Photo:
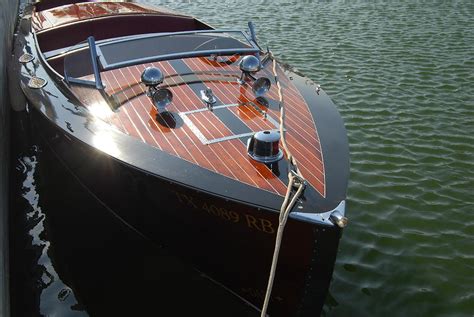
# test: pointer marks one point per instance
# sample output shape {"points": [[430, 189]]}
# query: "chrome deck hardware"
{"points": [[208, 97], [264, 147], [261, 86], [37, 82], [249, 65], [26, 58], [338, 218], [162, 98], [152, 77]]}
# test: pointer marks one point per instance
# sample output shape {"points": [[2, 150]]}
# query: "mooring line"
{"points": [[295, 180]]}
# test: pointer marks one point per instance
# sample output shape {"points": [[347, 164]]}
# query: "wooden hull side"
{"points": [[229, 241]]}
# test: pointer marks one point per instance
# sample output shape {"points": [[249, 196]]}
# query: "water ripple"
{"points": [[55, 298]]}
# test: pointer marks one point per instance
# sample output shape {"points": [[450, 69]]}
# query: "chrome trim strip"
{"points": [[231, 137], [193, 128], [151, 59], [322, 218], [201, 136], [207, 109], [93, 47]]}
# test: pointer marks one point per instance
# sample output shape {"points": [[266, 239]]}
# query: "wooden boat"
{"points": [[177, 129]]}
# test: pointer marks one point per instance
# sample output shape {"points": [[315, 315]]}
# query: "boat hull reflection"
{"points": [[104, 267]]}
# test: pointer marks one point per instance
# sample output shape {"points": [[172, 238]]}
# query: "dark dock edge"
{"points": [[8, 16]]}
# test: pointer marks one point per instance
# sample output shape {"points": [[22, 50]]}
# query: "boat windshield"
{"points": [[86, 60]]}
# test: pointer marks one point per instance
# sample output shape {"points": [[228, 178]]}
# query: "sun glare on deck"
{"points": [[106, 143], [100, 111]]}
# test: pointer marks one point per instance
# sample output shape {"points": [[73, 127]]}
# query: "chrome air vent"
{"points": [[152, 77]]}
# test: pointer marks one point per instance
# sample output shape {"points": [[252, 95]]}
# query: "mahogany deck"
{"points": [[138, 117]]}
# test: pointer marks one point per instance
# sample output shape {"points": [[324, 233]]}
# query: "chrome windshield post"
{"points": [[95, 65], [253, 34]]}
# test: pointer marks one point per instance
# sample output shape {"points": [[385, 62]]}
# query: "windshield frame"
{"points": [[252, 49], [94, 60], [99, 62]]}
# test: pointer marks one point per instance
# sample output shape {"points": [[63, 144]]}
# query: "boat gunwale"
{"points": [[108, 16], [152, 11]]}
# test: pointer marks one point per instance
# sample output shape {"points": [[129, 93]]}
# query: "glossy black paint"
{"points": [[80, 260], [195, 226]]}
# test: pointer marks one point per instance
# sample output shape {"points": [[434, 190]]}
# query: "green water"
{"points": [[402, 76]]}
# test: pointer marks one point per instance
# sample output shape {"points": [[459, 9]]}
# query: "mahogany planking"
{"points": [[136, 115]]}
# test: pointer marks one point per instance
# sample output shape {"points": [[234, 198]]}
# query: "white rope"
{"points": [[294, 181]]}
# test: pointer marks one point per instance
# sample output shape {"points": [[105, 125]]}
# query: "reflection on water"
{"points": [[31, 247]]}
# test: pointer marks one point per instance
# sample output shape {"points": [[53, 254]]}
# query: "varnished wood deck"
{"points": [[135, 115]]}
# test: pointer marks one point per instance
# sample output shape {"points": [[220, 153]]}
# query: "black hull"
{"points": [[229, 241]]}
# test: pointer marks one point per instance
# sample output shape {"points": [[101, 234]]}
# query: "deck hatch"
{"points": [[187, 118]]}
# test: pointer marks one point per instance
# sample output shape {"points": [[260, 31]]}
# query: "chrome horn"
{"points": [[152, 77], [261, 86], [249, 65], [162, 98]]}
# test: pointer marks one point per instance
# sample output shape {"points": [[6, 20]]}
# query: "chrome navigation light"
{"points": [[152, 77], [249, 65], [261, 86], [264, 146]]}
